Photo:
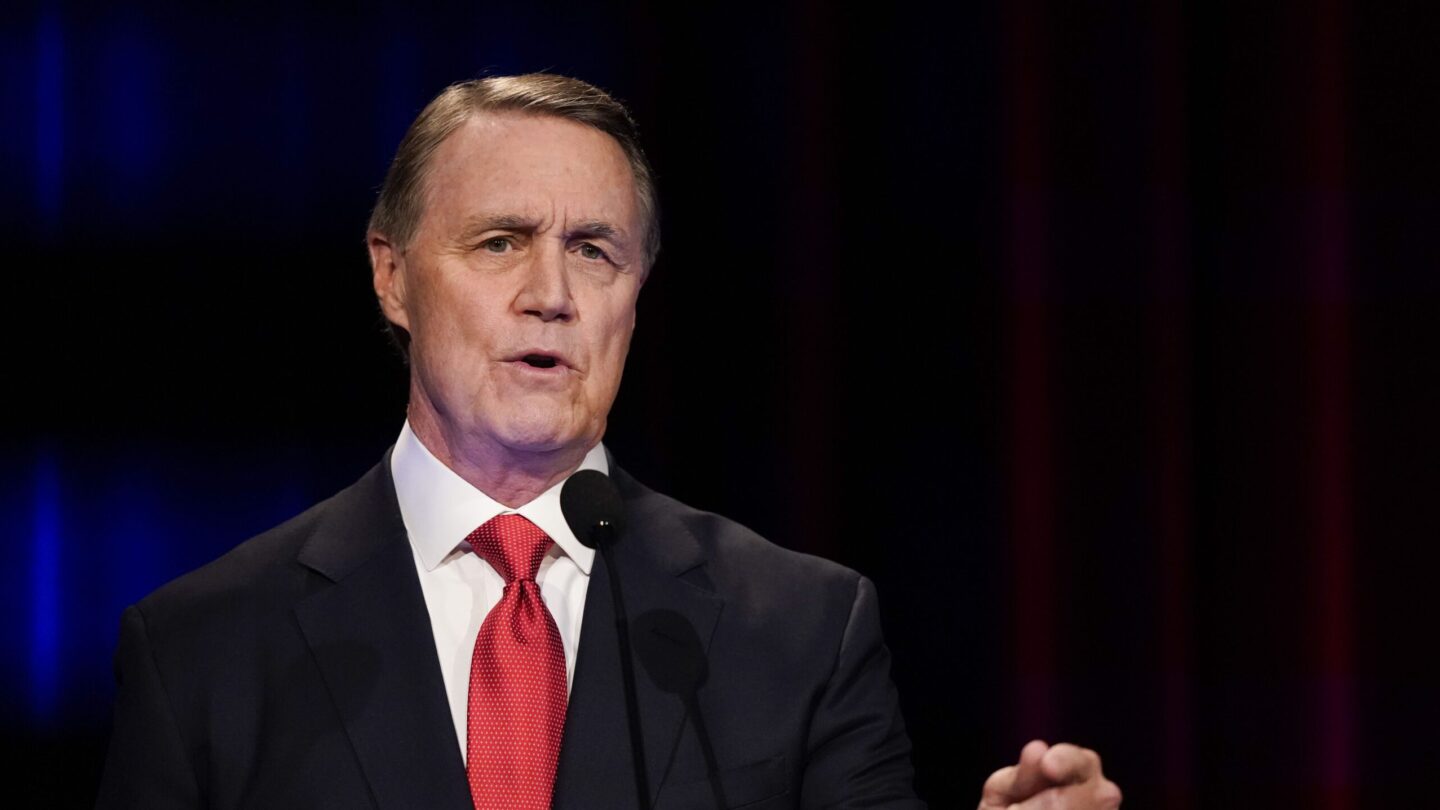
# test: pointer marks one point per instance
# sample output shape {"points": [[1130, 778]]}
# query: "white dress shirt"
{"points": [[440, 510]]}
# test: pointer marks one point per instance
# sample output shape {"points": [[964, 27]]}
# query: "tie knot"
{"points": [[512, 545]]}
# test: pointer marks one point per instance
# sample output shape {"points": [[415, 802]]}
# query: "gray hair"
{"points": [[401, 202]]}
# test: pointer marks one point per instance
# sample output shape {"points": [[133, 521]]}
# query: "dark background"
{"points": [[1100, 335]]}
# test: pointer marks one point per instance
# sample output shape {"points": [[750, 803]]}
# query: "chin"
{"points": [[534, 433]]}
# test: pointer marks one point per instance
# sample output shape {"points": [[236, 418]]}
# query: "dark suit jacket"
{"points": [[299, 671]]}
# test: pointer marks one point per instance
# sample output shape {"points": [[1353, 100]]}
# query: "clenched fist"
{"points": [[1058, 777]]}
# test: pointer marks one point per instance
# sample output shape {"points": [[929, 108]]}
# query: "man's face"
{"points": [[519, 288]]}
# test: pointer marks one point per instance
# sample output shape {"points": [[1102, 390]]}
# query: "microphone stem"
{"points": [[627, 669]]}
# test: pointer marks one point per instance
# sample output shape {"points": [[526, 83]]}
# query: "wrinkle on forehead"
{"points": [[552, 169]]}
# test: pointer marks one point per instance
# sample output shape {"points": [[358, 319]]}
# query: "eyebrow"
{"points": [[581, 229], [595, 229], [476, 225]]}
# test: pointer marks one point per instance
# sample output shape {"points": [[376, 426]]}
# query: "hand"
{"points": [[1059, 777]]}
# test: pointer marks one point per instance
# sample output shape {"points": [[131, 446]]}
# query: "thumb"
{"points": [[1016, 783], [1029, 777]]}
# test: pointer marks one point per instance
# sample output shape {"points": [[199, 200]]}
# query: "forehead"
{"points": [[533, 166]]}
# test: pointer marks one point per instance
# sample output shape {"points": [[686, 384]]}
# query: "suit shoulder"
{"points": [[738, 556], [259, 572], [731, 542]]}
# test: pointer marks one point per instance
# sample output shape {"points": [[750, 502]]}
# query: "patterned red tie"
{"points": [[516, 713]]}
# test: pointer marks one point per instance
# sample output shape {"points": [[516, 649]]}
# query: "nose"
{"points": [[545, 292]]}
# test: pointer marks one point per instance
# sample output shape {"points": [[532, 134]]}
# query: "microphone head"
{"points": [[589, 500]]}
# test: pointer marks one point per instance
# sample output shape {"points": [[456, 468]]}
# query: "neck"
{"points": [[509, 477]]}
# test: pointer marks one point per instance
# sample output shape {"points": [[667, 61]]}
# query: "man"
{"points": [[416, 640]]}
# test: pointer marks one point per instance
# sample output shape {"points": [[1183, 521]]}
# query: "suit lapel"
{"points": [[654, 554], [370, 635]]}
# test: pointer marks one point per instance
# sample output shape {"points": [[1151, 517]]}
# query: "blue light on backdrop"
{"points": [[129, 114], [49, 120], [121, 120], [45, 589], [104, 524]]}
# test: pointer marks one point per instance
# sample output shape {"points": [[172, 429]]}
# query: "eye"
{"points": [[499, 244], [589, 251]]}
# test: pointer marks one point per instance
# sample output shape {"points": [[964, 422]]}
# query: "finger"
{"points": [[1097, 794], [1001, 788], [1108, 794], [996, 792], [1029, 779], [1066, 764]]}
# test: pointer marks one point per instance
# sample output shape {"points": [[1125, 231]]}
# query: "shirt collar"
{"points": [[441, 509]]}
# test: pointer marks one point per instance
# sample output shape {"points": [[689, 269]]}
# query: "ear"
{"points": [[387, 268]]}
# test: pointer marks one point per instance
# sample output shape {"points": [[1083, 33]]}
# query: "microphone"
{"points": [[593, 508], [596, 514]]}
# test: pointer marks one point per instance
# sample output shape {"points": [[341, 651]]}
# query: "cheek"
{"points": [[454, 349], [456, 323], [618, 347]]}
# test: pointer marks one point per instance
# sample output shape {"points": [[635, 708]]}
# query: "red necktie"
{"points": [[516, 712]]}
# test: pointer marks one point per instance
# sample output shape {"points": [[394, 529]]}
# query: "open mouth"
{"points": [[538, 360]]}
